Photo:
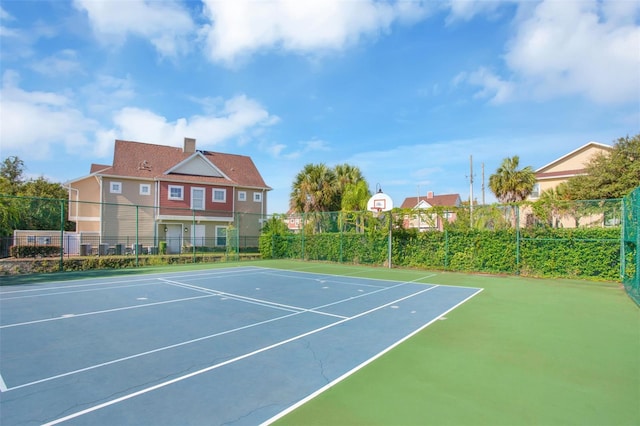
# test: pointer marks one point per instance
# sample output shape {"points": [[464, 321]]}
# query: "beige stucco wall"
{"points": [[576, 161], [129, 213]]}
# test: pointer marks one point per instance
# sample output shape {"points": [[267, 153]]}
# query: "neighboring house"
{"points": [[430, 221], [560, 170], [184, 196], [294, 221]]}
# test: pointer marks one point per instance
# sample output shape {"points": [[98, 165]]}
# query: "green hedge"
{"points": [[592, 253], [34, 251]]}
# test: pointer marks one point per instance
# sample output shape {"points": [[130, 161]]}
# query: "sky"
{"points": [[421, 96]]}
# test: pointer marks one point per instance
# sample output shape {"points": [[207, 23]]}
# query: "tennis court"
{"points": [[240, 345]]}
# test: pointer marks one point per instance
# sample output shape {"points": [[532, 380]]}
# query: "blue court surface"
{"points": [[233, 346]]}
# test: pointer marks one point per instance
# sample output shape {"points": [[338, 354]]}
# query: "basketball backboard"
{"points": [[380, 202]]}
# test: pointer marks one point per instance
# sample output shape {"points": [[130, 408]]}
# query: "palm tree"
{"points": [[510, 184], [314, 189], [354, 202]]}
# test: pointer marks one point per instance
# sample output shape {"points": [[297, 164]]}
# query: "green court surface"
{"points": [[522, 352]]}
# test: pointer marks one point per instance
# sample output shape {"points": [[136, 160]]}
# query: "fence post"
{"points": [[137, 246], [304, 223], [60, 265], [446, 249], [517, 215]]}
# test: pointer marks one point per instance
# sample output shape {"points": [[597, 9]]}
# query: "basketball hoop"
{"points": [[379, 202]]}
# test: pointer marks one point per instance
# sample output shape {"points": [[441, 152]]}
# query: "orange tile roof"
{"points": [[144, 160]]}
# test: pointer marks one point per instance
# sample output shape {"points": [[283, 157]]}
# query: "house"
{"points": [[182, 196], [569, 165], [431, 221], [294, 221], [561, 170]]}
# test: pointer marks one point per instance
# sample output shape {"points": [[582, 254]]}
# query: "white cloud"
{"points": [[465, 10], [579, 47], [167, 24], [240, 28], [33, 122], [568, 48], [494, 88], [64, 62], [237, 116]]}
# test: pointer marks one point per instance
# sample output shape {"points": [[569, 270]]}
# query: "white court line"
{"points": [[3, 385], [55, 293], [234, 296], [230, 361], [303, 272], [300, 311], [328, 279], [124, 308], [296, 308], [251, 300], [152, 351], [361, 365], [128, 279]]}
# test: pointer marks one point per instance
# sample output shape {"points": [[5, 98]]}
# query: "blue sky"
{"points": [[405, 90]]}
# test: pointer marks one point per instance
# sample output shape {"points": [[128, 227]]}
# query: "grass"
{"points": [[523, 352]]}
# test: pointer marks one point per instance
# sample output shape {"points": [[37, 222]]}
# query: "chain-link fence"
{"points": [[587, 239], [631, 244], [563, 239], [37, 227]]}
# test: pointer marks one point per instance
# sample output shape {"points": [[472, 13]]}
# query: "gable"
{"points": [[196, 165], [575, 161]]}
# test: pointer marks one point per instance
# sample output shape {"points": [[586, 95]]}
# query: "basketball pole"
{"points": [[390, 221], [381, 202]]}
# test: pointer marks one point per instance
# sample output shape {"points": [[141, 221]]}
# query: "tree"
{"points": [[314, 189], [354, 202], [510, 184], [29, 204], [609, 175], [318, 188], [12, 169]]}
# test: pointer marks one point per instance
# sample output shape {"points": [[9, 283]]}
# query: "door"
{"points": [[174, 239]]}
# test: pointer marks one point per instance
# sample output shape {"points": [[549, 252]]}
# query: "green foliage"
{"points": [[34, 251], [510, 184], [319, 188], [611, 175], [592, 253], [33, 204], [162, 247]]}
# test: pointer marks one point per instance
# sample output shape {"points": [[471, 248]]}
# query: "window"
{"points": [[535, 192], [197, 198], [257, 196], [175, 192], [115, 187], [221, 236], [145, 189], [242, 196], [219, 195]]}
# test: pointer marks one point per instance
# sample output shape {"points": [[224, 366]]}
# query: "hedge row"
{"points": [[44, 265], [34, 251], [592, 253]]}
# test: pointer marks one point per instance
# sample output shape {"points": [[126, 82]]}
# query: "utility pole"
{"points": [[483, 184]]}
